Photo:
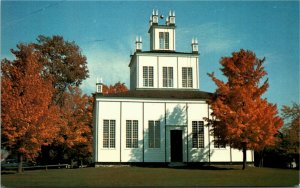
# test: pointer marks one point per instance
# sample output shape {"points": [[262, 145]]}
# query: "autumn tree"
{"points": [[62, 60], [28, 121], [247, 120], [116, 88], [290, 132], [76, 133], [75, 136]]}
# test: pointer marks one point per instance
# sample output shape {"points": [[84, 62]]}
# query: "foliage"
{"points": [[76, 132], [290, 133], [28, 121], [42, 105], [75, 137], [63, 61], [117, 88], [248, 121]]}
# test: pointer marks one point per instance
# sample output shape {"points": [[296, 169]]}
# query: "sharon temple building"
{"points": [[161, 118]]}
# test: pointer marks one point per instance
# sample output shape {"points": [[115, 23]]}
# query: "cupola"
{"points": [[195, 45], [162, 36], [138, 44], [99, 86]]}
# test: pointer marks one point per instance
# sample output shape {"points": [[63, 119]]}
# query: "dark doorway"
{"points": [[176, 145]]}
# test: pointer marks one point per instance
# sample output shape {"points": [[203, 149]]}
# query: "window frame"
{"points": [[164, 40], [132, 134], [148, 76], [154, 135], [217, 142], [109, 134], [168, 77], [187, 77], [198, 134]]}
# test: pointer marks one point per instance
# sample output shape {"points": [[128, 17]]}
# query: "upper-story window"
{"points": [[187, 77], [147, 76], [163, 40], [167, 76]]}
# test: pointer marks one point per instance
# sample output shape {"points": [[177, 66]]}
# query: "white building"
{"points": [[160, 119]]}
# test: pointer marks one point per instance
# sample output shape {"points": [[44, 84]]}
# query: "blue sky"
{"points": [[105, 32]]}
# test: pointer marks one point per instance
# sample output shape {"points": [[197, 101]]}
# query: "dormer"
{"points": [[162, 37]]}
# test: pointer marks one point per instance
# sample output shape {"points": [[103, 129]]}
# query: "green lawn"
{"points": [[139, 176]]}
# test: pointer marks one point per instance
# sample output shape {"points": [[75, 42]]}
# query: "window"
{"points": [[132, 133], [198, 134], [109, 133], [187, 77], [218, 143], [99, 88], [154, 134], [163, 40], [167, 76], [148, 76]]}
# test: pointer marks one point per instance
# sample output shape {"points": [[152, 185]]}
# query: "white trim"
{"points": [[167, 54], [140, 100]]}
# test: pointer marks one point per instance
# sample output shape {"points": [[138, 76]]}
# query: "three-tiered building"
{"points": [[161, 118]]}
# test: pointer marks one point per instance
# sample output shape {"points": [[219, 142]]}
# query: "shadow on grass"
{"points": [[189, 166], [204, 167], [8, 172]]}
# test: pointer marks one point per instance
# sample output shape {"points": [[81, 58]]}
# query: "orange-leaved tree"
{"points": [[75, 136], [246, 120], [28, 120], [117, 88]]}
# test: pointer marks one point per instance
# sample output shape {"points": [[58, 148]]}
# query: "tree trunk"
{"points": [[20, 162], [244, 155], [261, 161]]}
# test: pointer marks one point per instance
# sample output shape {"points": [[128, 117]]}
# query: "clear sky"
{"points": [[105, 32]]}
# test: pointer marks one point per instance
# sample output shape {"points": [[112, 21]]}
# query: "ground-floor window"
{"points": [[132, 133], [218, 141], [154, 134], [109, 132], [198, 134]]}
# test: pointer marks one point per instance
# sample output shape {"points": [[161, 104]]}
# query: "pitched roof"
{"points": [[161, 94]]}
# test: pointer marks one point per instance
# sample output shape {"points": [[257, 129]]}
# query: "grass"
{"points": [[139, 176]]}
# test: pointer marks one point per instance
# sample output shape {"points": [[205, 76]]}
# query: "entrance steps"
{"points": [[177, 164]]}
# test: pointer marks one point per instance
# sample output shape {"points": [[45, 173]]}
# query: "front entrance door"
{"points": [[176, 145]]}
